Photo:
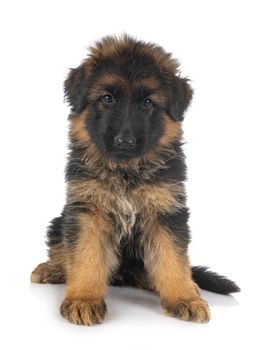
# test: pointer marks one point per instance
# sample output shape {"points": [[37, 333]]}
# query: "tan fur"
{"points": [[48, 272], [84, 311], [108, 46], [88, 269], [78, 131], [172, 131], [99, 87], [52, 271], [91, 260], [109, 79], [160, 197], [156, 197], [149, 83], [56, 255], [109, 195], [196, 310], [170, 276]]}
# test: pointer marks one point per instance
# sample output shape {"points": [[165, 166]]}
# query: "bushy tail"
{"points": [[213, 282]]}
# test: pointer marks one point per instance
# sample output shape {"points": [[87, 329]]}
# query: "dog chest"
{"points": [[124, 211]]}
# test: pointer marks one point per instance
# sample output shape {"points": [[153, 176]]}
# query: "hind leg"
{"points": [[47, 273], [52, 271]]}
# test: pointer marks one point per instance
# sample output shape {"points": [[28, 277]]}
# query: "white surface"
{"points": [[39, 40], [135, 320]]}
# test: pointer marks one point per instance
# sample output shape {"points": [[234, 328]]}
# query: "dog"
{"points": [[125, 221]]}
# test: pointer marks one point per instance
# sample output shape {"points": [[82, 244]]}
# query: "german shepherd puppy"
{"points": [[125, 218]]}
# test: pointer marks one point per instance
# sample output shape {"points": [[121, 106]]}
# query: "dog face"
{"points": [[132, 95]]}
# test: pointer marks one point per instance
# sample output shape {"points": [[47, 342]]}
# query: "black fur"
{"points": [[212, 281], [75, 89], [178, 226], [175, 167], [105, 125], [54, 232], [181, 96], [131, 270], [75, 169]]}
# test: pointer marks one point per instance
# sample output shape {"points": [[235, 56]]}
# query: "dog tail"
{"points": [[213, 282], [201, 275]]}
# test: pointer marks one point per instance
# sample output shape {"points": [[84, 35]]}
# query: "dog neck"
{"points": [[162, 163]]}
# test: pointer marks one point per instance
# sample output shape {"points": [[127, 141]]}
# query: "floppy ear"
{"points": [[181, 95], [75, 89]]}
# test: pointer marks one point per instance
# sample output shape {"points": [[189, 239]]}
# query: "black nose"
{"points": [[124, 142]]}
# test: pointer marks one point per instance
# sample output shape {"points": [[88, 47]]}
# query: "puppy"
{"points": [[125, 218]]}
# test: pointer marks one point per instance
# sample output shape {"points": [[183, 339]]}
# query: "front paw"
{"points": [[196, 310], [83, 311]]}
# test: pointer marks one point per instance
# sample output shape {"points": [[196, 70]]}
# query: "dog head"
{"points": [[131, 94]]}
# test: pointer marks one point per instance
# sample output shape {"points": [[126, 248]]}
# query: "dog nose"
{"points": [[124, 142]]}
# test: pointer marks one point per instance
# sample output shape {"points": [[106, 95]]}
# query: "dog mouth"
{"points": [[123, 151], [123, 154], [132, 148]]}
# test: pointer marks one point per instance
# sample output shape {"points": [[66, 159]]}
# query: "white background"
{"points": [[39, 41]]}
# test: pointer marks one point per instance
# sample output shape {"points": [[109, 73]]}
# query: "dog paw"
{"points": [[83, 312], [47, 273], [196, 310]]}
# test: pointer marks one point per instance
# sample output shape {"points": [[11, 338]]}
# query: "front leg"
{"points": [[165, 257], [91, 259]]}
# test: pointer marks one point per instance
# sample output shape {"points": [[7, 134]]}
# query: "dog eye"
{"points": [[107, 99], [147, 102]]}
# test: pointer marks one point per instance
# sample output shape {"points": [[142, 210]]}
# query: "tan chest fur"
{"points": [[113, 196]]}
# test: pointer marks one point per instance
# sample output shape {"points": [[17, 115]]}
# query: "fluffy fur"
{"points": [[125, 218]]}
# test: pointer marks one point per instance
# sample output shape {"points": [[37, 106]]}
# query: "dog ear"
{"points": [[181, 96], [75, 89]]}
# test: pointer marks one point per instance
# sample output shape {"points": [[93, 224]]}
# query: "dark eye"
{"points": [[107, 99], [147, 102]]}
